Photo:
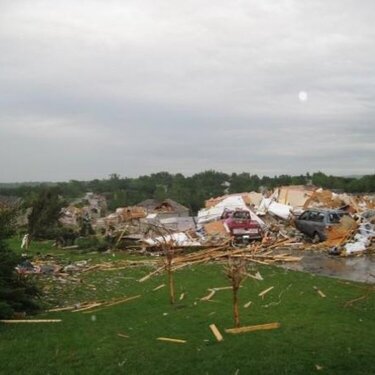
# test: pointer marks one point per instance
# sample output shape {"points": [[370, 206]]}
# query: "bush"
{"points": [[17, 293], [87, 242], [92, 243]]}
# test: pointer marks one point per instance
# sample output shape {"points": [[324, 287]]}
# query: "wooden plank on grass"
{"points": [[259, 327], [122, 335], [95, 304], [216, 332], [112, 304], [247, 304], [144, 278], [10, 321], [262, 294], [320, 292], [158, 287], [177, 341], [209, 295], [67, 308]]}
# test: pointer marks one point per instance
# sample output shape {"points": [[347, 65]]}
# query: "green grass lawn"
{"points": [[317, 335]]}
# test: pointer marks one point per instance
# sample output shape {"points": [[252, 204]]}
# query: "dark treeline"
{"points": [[189, 191]]}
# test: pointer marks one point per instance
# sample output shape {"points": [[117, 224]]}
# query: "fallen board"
{"points": [[216, 332], [259, 327], [30, 321], [177, 341]]}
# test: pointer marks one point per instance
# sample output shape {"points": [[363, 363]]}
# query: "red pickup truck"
{"points": [[240, 225]]}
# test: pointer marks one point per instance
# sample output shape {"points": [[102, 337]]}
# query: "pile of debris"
{"points": [[275, 214], [240, 219], [256, 253], [49, 265]]}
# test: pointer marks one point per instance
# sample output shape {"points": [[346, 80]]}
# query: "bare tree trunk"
{"points": [[171, 284], [236, 314], [169, 256]]}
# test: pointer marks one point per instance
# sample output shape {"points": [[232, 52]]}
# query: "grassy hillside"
{"points": [[317, 334]]}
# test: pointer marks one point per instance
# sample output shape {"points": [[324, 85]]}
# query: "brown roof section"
{"points": [[168, 205]]}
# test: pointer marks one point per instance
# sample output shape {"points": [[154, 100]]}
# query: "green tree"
{"points": [[16, 292], [46, 210]]}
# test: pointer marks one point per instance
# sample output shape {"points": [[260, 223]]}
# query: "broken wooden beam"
{"points": [[264, 292], [93, 305], [216, 332], [144, 278], [209, 295], [258, 327], [122, 335], [112, 304], [11, 321], [178, 341], [247, 304], [158, 287], [319, 292]]}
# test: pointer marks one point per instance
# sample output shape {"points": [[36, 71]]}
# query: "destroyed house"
{"points": [[164, 209]]}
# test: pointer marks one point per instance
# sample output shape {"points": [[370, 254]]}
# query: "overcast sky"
{"points": [[89, 88]]}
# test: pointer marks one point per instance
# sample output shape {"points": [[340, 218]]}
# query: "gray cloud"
{"points": [[90, 88]]}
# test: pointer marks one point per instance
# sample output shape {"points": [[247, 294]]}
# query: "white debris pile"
{"points": [[231, 203], [176, 239]]}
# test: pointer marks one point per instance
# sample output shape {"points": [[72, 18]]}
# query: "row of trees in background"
{"points": [[190, 191]]}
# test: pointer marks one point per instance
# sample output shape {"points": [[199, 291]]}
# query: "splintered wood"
{"points": [[158, 287], [15, 321], [216, 332], [262, 294], [259, 327], [319, 292], [109, 304], [122, 335], [177, 341], [340, 233], [209, 295], [255, 254]]}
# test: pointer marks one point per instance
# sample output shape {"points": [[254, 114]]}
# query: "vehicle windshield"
{"points": [[241, 215], [335, 217]]}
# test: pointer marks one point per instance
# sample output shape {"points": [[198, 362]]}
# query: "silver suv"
{"points": [[315, 222]]}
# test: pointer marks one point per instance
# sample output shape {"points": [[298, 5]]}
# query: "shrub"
{"points": [[17, 293]]}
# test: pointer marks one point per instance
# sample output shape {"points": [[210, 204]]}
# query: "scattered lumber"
{"points": [[178, 341], [104, 306], [320, 292], [216, 332], [257, 276], [254, 253], [122, 335], [15, 321], [262, 294], [259, 327], [152, 274], [67, 308], [89, 307], [158, 287], [209, 295], [222, 288], [246, 305]]}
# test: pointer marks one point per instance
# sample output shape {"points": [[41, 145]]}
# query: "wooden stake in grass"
{"points": [[168, 265], [236, 272]]}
